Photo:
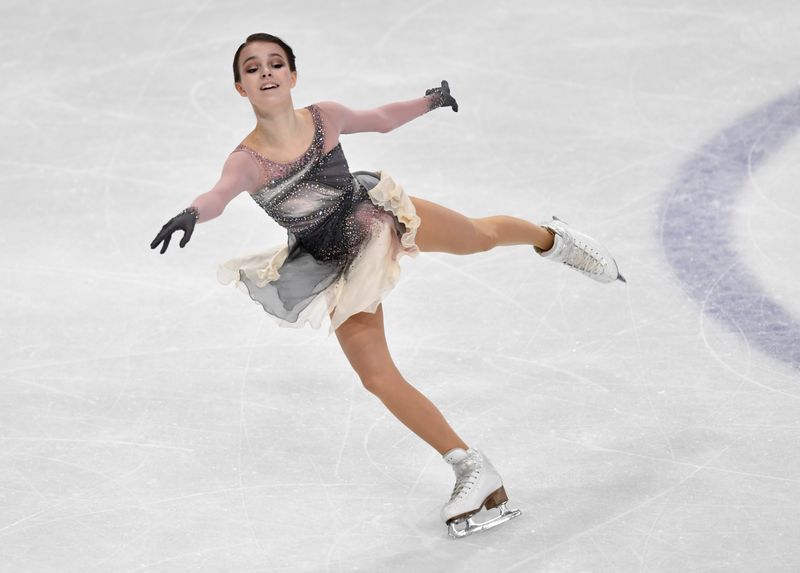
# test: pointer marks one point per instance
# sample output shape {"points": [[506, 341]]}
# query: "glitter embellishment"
{"points": [[192, 211], [315, 198]]}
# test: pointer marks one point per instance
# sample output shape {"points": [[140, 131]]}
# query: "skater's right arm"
{"points": [[239, 173]]}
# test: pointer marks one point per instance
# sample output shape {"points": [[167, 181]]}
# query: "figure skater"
{"points": [[346, 232]]}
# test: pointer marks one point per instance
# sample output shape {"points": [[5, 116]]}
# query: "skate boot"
{"points": [[478, 485], [580, 252]]}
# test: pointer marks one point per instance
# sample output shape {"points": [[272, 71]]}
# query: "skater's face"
{"points": [[266, 77]]}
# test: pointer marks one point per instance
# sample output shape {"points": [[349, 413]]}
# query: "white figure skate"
{"points": [[580, 252], [478, 485]]}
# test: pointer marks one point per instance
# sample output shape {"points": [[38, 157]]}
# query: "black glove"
{"points": [[441, 97], [184, 221]]}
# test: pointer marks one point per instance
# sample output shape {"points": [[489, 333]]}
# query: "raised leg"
{"points": [[363, 341], [446, 231]]}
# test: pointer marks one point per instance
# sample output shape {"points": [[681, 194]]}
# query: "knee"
{"points": [[382, 381], [485, 235], [374, 384]]}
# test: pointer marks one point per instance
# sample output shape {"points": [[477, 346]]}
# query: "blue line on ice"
{"points": [[697, 228]]}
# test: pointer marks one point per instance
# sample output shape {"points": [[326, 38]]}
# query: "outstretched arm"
{"points": [[387, 117], [239, 173]]}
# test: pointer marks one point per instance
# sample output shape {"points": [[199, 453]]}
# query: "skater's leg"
{"points": [[363, 341], [446, 231]]}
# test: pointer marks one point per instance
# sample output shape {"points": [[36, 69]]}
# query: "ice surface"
{"points": [[152, 420]]}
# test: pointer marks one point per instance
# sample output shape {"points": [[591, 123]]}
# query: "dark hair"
{"points": [[262, 38]]}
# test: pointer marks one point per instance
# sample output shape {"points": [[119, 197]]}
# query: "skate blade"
{"points": [[621, 278], [453, 528]]}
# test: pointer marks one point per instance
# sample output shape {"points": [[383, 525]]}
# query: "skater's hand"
{"points": [[440, 97], [183, 221]]}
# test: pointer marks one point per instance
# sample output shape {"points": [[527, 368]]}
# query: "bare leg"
{"points": [[447, 231], [363, 341]]}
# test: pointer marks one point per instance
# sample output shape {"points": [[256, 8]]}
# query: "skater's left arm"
{"points": [[387, 117]]}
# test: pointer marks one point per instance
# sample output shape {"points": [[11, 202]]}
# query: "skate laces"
{"points": [[467, 473], [583, 258]]}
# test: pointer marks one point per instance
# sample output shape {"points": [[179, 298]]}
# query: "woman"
{"points": [[346, 232]]}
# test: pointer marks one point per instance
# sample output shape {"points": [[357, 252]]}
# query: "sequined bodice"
{"points": [[302, 194]]}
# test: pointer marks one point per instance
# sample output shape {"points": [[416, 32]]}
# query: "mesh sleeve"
{"points": [[239, 173], [382, 119]]}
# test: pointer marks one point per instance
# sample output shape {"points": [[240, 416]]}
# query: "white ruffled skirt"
{"points": [[360, 286]]}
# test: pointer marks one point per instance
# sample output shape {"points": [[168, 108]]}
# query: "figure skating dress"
{"points": [[346, 233]]}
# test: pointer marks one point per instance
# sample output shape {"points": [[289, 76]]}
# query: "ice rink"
{"points": [[153, 420]]}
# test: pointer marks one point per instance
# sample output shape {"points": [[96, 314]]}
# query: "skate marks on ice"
{"points": [[698, 234]]}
